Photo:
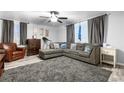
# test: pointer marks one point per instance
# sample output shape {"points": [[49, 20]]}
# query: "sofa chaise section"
{"points": [[50, 53]]}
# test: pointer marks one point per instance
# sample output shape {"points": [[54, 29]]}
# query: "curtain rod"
{"points": [[99, 15], [94, 17], [13, 20], [91, 18]]}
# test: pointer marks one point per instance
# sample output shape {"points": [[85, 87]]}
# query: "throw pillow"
{"points": [[51, 45], [88, 49], [56, 46], [63, 46], [80, 46], [73, 46]]}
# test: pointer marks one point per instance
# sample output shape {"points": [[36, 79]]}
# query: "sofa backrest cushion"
{"points": [[73, 46], [89, 47], [56, 45], [14, 46], [80, 46], [86, 47]]}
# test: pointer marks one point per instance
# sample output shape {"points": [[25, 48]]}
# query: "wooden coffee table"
{"points": [[2, 56]]}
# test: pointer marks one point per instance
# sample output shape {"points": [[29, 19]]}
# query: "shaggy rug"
{"points": [[60, 69]]}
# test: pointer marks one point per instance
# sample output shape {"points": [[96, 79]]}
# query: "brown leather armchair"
{"points": [[13, 52], [2, 51]]}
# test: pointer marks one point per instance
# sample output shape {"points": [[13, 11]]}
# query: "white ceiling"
{"points": [[33, 16]]}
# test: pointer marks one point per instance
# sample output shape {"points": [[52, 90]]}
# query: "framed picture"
{"points": [[41, 31]]}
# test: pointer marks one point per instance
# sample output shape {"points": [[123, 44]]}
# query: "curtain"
{"points": [[23, 33], [70, 35], [97, 30], [8, 31]]}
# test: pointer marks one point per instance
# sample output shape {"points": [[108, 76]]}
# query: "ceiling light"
{"points": [[53, 18]]}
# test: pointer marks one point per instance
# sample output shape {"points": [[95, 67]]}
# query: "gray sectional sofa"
{"points": [[83, 52]]}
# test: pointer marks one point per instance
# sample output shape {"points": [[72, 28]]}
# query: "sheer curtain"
{"points": [[17, 32], [81, 32]]}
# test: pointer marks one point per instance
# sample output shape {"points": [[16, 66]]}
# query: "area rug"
{"points": [[60, 69]]}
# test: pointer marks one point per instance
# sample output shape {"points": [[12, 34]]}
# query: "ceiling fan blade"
{"points": [[44, 17], [59, 21], [62, 17]]}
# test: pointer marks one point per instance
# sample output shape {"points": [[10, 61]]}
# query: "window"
{"points": [[17, 32], [81, 32]]}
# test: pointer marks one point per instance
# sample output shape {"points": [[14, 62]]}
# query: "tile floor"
{"points": [[117, 73], [116, 76]]}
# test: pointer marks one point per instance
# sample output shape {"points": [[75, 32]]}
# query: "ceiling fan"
{"points": [[54, 17]]}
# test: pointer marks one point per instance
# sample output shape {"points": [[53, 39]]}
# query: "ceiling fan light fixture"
{"points": [[53, 18]]}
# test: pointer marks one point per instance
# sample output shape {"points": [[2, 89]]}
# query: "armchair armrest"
{"points": [[2, 51], [21, 49], [9, 53]]}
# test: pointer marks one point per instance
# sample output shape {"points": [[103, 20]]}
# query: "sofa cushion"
{"points": [[84, 54], [70, 51], [17, 52], [77, 52], [51, 51]]}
